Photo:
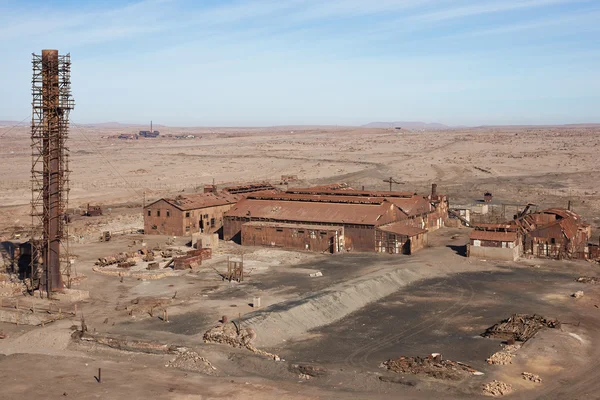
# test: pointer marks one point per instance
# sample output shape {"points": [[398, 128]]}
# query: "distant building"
{"points": [[149, 134]]}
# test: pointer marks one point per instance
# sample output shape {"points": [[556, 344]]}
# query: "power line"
{"points": [[97, 150], [14, 126]]}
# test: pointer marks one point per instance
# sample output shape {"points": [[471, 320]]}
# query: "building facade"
{"points": [[359, 213], [316, 238], [185, 215]]}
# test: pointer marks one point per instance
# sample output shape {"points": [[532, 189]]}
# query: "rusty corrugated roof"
{"points": [[202, 200], [414, 205], [493, 236], [562, 212], [316, 198], [334, 213], [295, 226], [346, 192], [249, 188], [500, 227], [400, 228]]}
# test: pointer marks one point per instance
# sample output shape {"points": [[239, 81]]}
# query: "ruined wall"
{"points": [[162, 218], [206, 220], [359, 238], [321, 239], [496, 253]]}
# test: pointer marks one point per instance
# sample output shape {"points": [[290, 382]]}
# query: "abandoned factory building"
{"points": [[199, 212], [553, 233], [332, 220]]}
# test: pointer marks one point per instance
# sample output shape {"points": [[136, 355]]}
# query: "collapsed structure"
{"points": [[553, 233], [334, 219]]}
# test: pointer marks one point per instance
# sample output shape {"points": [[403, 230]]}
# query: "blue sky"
{"points": [[339, 62]]}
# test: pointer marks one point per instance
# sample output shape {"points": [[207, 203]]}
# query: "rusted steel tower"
{"points": [[52, 102]]}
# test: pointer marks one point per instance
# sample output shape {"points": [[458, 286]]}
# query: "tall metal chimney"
{"points": [[433, 190], [52, 101]]}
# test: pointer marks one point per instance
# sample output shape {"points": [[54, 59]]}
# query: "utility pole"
{"points": [[391, 181]]}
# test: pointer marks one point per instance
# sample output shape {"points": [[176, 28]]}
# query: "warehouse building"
{"points": [[184, 215], [393, 222]]}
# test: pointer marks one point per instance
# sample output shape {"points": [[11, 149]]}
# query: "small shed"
{"points": [[496, 244], [399, 238]]}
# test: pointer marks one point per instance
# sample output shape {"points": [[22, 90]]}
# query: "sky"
{"points": [[311, 62]]}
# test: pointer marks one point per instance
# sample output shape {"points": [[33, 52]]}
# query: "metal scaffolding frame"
{"points": [[52, 101]]}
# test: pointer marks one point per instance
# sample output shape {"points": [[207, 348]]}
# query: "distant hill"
{"points": [[118, 125], [407, 125], [4, 124]]}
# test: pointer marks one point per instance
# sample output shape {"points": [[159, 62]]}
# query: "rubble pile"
{"points": [[588, 279], [431, 366], [521, 327], [307, 371], [232, 335], [497, 388], [528, 376], [578, 294], [10, 285], [130, 258], [148, 304], [191, 361], [500, 358], [504, 356]]}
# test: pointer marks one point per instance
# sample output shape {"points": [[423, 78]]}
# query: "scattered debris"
{"points": [[433, 366], [398, 379], [308, 370], [528, 376], [497, 388], [316, 274], [521, 327], [3, 335], [588, 279], [578, 294], [11, 285], [500, 358], [504, 356], [191, 361], [233, 335]]}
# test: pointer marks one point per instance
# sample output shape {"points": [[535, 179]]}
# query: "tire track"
{"points": [[374, 346], [400, 337]]}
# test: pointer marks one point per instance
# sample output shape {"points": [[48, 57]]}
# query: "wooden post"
{"points": [[75, 311], [166, 315], [99, 375]]}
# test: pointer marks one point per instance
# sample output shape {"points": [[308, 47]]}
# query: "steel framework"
{"points": [[51, 104]]}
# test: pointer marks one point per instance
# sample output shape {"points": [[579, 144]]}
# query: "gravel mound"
{"points": [[497, 388], [191, 361]]}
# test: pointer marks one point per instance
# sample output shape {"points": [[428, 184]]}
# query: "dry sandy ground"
{"points": [[545, 165]]}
